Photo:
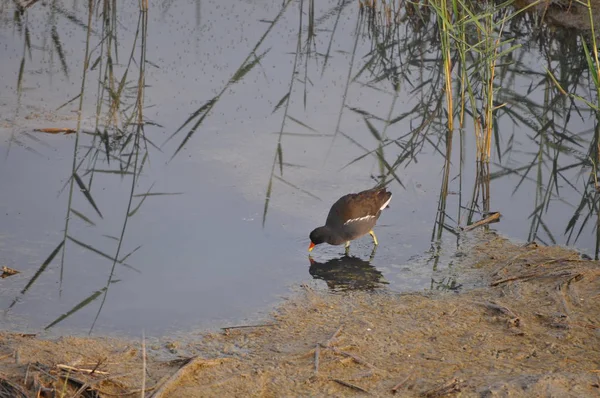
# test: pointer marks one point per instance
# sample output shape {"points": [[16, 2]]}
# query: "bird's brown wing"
{"points": [[365, 204]]}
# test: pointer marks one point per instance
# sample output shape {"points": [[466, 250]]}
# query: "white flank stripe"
{"points": [[386, 203], [358, 219]]}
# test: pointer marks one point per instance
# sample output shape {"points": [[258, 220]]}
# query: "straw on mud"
{"points": [[526, 276], [317, 354], [144, 370], [226, 329], [80, 370], [499, 308], [349, 385], [333, 336], [8, 389], [353, 357], [397, 386], [187, 368], [452, 386]]}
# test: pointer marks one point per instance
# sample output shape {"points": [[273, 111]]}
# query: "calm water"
{"points": [[201, 256]]}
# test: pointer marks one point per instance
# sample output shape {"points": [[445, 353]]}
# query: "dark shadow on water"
{"points": [[347, 273]]}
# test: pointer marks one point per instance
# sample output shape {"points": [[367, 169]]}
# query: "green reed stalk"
{"points": [[77, 131], [445, 36], [138, 133]]}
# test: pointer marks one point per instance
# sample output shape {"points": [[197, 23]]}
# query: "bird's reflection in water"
{"points": [[347, 273]]}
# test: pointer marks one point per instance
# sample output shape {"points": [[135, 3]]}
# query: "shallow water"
{"points": [[204, 256]]}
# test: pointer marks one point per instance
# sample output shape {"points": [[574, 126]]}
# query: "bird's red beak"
{"points": [[312, 246]]}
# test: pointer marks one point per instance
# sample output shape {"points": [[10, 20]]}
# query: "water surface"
{"points": [[204, 249]]}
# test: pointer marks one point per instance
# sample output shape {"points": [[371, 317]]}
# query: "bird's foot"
{"points": [[372, 256]]}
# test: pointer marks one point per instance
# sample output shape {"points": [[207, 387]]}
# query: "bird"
{"points": [[351, 217]]}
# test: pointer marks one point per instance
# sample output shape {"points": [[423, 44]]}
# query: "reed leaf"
{"points": [[130, 253], [267, 199], [281, 102], [59, 50], [20, 76], [83, 217], [246, 68], [43, 267], [293, 119], [590, 62], [109, 171], [92, 249], [132, 212], [69, 101], [280, 157], [86, 193], [192, 131], [207, 106], [296, 187], [157, 194], [82, 304], [372, 129]]}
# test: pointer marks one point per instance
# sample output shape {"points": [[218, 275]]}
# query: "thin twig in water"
{"points": [[492, 218]]}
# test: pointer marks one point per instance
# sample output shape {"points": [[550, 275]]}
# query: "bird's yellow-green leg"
{"points": [[347, 247], [374, 237]]}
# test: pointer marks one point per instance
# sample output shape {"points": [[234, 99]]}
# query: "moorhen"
{"points": [[351, 217]]}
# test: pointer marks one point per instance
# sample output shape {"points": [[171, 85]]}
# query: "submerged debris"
{"points": [[6, 272], [55, 130]]}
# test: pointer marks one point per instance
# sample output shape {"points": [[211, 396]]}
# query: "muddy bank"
{"points": [[533, 331]]}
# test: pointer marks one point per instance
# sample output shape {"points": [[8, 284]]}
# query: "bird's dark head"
{"points": [[318, 236]]}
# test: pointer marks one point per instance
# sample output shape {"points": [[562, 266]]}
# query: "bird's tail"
{"points": [[383, 198]]}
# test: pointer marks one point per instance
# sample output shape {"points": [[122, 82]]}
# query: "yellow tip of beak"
{"points": [[312, 246]]}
